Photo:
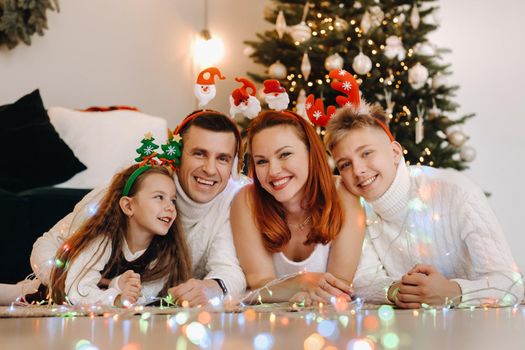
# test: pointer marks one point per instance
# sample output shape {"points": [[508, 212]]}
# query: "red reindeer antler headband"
{"points": [[344, 82]]}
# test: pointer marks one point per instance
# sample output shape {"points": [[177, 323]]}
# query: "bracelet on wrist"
{"points": [[221, 285]]}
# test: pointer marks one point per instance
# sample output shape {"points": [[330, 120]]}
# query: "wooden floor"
{"points": [[276, 328]]}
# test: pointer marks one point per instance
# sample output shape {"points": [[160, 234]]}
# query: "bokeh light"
{"points": [[314, 342], [263, 341]]}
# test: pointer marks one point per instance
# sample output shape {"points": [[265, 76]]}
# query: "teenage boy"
{"points": [[432, 237]]}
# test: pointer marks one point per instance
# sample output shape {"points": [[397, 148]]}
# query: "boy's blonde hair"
{"points": [[350, 118]]}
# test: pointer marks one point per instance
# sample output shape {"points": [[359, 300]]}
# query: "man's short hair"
{"points": [[212, 121], [350, 118]]}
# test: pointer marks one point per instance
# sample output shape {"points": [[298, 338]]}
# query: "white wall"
{"points": [[136, 52], [128, 52], [487, 62]]}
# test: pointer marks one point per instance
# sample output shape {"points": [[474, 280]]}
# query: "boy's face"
{"points": [[206, 163], [367, 161]]}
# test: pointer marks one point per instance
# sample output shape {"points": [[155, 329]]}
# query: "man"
{"points": [[432, 237], [211, 143]]}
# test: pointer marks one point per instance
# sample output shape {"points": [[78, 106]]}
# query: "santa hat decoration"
{"points": [[205, 86], [275, 95], [244, 102], [273, 86], [207, 76]]}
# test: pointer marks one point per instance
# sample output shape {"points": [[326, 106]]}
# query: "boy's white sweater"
{"points": [[437, 217]]}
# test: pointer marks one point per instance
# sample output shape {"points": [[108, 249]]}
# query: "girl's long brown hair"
{"points": [[171, 251], [320, 197]]}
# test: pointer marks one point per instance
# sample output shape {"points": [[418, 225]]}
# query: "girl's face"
{"points": [[281, 163], [153, 205]]}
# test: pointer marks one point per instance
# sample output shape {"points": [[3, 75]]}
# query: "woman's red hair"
{"points": [[320, 197]]}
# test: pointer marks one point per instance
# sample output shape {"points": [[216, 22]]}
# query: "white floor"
{"points": [[197, 329]]}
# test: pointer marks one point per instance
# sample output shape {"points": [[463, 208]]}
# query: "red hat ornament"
{"points": [[205, 86]]}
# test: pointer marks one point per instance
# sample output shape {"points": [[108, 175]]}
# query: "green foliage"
{"points": [[20, 19], [387, 76]]}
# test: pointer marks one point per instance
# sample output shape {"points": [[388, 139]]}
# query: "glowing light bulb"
{"points": [[207, 50]]}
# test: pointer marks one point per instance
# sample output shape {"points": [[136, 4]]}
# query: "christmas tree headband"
{"points": [[148, 157], [344, 82]]}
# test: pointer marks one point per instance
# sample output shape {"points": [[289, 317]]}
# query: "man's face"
{"points": [[206, 162], [367, 161]]}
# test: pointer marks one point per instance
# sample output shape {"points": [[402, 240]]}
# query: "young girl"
{"points": [[294, 218], [133, 241]]}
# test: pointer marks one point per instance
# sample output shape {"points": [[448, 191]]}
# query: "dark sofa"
{"points": [[35, 158], [25, 216]]}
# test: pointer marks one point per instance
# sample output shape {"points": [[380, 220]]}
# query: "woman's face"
{"points": [[281, 163]]}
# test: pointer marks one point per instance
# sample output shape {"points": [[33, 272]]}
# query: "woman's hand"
{"points": [[321, 288]]}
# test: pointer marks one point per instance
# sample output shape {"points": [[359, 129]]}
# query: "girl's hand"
{"points": [[129, 284]]}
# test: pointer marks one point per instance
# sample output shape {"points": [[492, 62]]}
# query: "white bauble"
{"points": [[414, 17], [334, 61], [424, 49], [341, 25], [300, 32], [362, 64], [394, 48], [456, 138], [306, 66], [248, 51], [439, 80], [280, 24], [301, 104], [376, 15], [277, 70], [357, 5], [366, 22], [467, 153], [417, 76]]}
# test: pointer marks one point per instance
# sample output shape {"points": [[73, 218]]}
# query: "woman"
{"points": [[293, 218]]}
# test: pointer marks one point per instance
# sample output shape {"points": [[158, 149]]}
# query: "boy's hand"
{"points": [[129, 284], [425, 284]]}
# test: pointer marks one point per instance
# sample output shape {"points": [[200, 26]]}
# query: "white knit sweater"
{"points": [[437, 217], [207, 228], [209, 235], [84, 274]]}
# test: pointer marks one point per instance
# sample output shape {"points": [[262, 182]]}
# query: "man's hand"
{"points": [[129, 284], [196, 292], [425, 284]]}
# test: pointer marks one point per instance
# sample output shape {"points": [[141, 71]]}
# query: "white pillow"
{"points": [[104, 141]]}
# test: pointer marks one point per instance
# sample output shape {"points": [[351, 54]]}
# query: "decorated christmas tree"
{"points": [[385, 45]]}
